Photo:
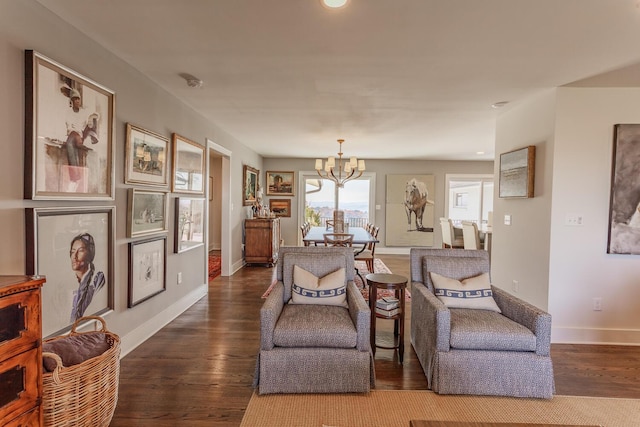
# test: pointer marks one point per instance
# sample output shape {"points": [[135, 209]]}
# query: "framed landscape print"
{"points": [[410, 210], [146, 212], [250, 185], [147, 157], [280, 207], [517, 173], [188, 166], [624, 204], [74, 249], [280, 183], [147, 269], [69, 123], [189, 227]]}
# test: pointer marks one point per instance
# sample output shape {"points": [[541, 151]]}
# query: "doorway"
{"points": [[219, 204]]}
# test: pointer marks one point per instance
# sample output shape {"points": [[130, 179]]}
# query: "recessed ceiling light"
{"points": [[499, 104], [479, 153], [334, 4]]}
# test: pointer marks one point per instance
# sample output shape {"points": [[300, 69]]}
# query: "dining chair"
{"points": [[338, 239], [470, 235], [368, 255], [449, 240]]}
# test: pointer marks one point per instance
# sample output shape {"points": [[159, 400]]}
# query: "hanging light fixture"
{"points": [[334, 172]]}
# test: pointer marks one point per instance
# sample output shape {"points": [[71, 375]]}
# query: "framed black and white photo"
{"points": [[69, 133], [146, 213], [147, 269], [624, 205], [188, 166], [189, 227], [74, 249], [147, 157], [517, 173]]}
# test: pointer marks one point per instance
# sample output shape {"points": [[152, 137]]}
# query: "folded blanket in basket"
{"points": [[74, 349]]}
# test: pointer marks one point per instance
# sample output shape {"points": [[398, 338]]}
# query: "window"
{"points": [[469, 198]]}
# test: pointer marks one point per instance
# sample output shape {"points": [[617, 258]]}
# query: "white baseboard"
{"points": [[392, 251], [145, 331], [569, 335]]}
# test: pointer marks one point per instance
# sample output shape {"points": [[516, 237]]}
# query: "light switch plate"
{"points": [[507, 220]]}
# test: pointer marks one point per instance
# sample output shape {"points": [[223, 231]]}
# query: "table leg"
{"points": [[373, 290]]}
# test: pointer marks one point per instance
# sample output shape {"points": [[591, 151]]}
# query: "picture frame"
{"points": [[189, 225], [280, 183], [211, 189], [69, 133], [147, 157], [146, 212], [249, 185], [64, 244], [147, 269], [410, 210], [281, 208], [624, 203], [188, 166], [517, 169]]}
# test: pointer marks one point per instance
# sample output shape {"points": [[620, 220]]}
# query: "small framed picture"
{"points": [[188, 166], [280, 183], [189, 227], [250, 185], [74, 248], [69, 123], [147, 269], [147, 157], [280, 207], [147, 212], [517, 173]]}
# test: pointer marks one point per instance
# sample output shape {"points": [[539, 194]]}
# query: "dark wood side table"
{"points": [[398, 284]]}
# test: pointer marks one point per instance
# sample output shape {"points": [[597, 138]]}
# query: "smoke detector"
{"points": [[192, 81]]}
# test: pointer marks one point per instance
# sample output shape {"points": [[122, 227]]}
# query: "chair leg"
{"points": [[370, 266]]}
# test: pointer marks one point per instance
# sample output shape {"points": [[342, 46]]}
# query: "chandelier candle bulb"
{"points": [[361, 165], [318, 164]]}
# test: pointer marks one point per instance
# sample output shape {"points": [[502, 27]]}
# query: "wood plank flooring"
{"points": [[198, 370]]}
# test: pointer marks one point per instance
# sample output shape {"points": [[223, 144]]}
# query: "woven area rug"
{"points": [[378, 266], [396, 408], [214, 266]]}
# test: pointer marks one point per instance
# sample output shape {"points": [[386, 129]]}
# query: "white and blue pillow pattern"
{"points": [[328, 290], [474, 292]]}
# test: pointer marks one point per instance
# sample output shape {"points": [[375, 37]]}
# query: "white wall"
{"points": [[580, 268]]}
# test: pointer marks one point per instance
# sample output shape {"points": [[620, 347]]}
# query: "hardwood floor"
{"points": [[198, 370]]}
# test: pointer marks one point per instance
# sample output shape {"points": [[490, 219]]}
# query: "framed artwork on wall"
{"points": [[147, 269], [188, 166], [624, 204], [74, 248], [280, 183], [410, 210], [280, 207], [249, 185], [146, 212], [517, 173], [69, 128], [189, 227], [147, 157]]}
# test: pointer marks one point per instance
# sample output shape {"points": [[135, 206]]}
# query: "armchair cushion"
{"points": [[458, 268], [315, 326], [474, 292], [488, 330], [309, 289]]}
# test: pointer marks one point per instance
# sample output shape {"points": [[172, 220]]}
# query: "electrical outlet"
{"points": [[515, 286], [179, 278], [597, 304]]}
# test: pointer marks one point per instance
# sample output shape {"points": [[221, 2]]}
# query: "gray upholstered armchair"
{"points": [[471, 351], [313, 348]]}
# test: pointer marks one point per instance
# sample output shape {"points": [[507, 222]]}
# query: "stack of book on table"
{"points": [[388, 306]]}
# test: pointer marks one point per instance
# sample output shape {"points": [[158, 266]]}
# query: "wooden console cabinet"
{"points": [[20, 351], [261, 240]]}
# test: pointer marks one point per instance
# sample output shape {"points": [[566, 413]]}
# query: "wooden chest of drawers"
{"points": [[261, 240], [20, 351]]}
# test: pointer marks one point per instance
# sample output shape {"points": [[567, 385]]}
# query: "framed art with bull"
{"points": [[410, 210]]}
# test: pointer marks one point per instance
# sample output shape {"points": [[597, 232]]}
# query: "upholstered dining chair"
{"points": [[449, 238], [470, 235], [472, 337], [315, 340], [338, 239]]}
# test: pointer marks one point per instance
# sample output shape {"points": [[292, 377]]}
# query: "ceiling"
{"points": [[394, 78]]}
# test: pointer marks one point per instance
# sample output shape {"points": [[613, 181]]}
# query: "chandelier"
{"points": [[334, 172]]}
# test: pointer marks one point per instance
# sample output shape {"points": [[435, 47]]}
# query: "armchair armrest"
{"points": [[536, 320], [429, 311], [360, 316], [269, 314]]}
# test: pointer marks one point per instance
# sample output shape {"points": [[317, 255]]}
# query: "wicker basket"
{"points": [[85, 394]]}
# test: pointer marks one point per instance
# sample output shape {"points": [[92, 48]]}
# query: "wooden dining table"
{"points": [[361, 236]]}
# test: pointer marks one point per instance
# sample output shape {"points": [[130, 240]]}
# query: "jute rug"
{"points": [[396, 408]]}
